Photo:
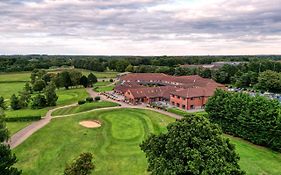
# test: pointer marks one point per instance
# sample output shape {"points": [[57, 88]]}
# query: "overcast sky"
{"points": [[140, 27]]}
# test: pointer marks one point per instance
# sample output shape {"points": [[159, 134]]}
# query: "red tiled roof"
{"points": [[152, 92], [124, 87], [195, 92]]}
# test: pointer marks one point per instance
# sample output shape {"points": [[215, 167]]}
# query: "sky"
{"points": [[140, 27]]}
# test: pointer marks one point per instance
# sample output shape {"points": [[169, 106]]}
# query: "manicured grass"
{"points": [[107, 74], [84, 107], [104, 88], [26, 112], [70, 96], [14, 127], [102, 83], [8, 89], [256, 160], [115, 145], [182, 113], [15, 77]]}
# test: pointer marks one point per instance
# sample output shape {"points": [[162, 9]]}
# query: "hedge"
{"points": [[23, 119]]}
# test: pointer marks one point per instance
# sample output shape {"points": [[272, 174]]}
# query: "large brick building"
{"points": [[186, 92]]}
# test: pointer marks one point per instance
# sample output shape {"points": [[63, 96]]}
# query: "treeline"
{"points": [[117, 63], [256, 119]]}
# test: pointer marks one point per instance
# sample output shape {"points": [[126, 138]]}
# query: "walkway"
{"points": [[26, 132]]}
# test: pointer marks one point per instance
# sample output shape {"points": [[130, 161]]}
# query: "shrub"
{"points": [[89, 99], [23, 119], [111, 80], [97, 98], [81, 102]]}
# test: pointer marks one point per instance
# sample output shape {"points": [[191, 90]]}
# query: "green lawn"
{"points": [[26, 112], [8, 89], [107, 74], [116, 145], [70, 96], [15, 77], [84, 107], [256, 160], [16, 126], [104, 88], [102, 83], [182, 113]]}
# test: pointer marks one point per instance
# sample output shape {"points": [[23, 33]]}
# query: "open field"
{"points": [[15, 77], [8, 89], [115, 144], [84, 107]]}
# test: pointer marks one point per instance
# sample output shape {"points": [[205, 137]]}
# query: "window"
{"points": [[191, 106], [191, 98], [179, 97], [183, 106], [173, 103], [178, 105]]}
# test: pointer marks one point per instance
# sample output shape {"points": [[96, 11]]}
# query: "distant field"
{"points": [[8, 89], [15, 77], [84, 107], [116, 145]]}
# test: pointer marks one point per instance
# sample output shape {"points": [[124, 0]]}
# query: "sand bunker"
{"points": [[90, 123]]}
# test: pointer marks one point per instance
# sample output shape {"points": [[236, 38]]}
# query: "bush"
{"points": [[111, 80], [81, 102], [23, 119], [89, 99], [97, 98]]}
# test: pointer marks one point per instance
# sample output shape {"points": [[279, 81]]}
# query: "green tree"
{"points": [[38, 102], [50, 93], [39, 85], [75, 77], [2, 103], [28, 88], [7, 158], [191, 146], [15, 103], [270, 81], [65, 79], [92, 79], [121, 65], [24, 99], [81, 166], [129, 68], [84, 81]]}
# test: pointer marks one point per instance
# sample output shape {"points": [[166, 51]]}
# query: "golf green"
{"points": [[115, 144]]}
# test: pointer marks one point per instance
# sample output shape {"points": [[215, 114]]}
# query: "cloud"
{"points": [[140, 27]]}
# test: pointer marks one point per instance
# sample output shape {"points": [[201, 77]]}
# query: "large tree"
{"points": [[92, 79], [191, 146], [2, 103], [50, 93], [39, 85], [7, 158], [81, 166], [15, 103], [65, 79]]}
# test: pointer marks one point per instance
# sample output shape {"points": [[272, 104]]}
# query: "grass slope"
{"points": [[8, 89], [257, 160], [115, 145], [84, 107]]}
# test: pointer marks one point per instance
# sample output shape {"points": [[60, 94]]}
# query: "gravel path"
{"points": [[26, 132]]}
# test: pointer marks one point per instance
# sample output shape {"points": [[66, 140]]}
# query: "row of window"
{"points": [[192, 98]]}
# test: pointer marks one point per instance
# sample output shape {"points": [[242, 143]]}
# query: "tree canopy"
{"points": [[191, 146]]}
